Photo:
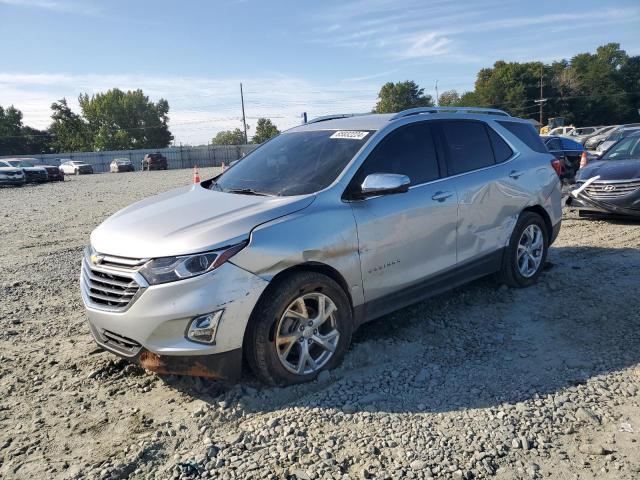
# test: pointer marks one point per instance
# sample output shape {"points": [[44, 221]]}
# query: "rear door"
{"points": [[490, 181], [407, 237]]}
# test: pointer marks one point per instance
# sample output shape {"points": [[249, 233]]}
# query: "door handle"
{"points": [[515, 174], [441, 196]]}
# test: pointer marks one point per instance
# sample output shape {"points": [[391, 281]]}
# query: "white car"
{"points": [[561, 131], [75, 167]]}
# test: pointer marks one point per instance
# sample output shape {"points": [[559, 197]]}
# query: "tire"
{"points": [[511, 273], [261, 352], [77, 171]]}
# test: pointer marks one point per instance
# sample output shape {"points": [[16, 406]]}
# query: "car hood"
{"points": [[10, 170], [188, 220], [611, 170]]}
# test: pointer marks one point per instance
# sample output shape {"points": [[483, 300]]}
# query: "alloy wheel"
{"points": [[306, 334], [530, 251]]}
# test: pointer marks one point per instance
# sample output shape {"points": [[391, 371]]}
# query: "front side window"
{"points": [[467, 146], [296, 163], [408, 150]]}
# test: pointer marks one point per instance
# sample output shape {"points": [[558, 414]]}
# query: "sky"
{"points": [[319, 57]]}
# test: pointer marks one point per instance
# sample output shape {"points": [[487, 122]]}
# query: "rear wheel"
{"points": [[299, 328], [526, 253]]}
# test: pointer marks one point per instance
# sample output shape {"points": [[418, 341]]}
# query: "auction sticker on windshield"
{"points": [[349, 134]]}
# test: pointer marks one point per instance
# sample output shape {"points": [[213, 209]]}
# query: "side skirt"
{"points": [[429, 287]]}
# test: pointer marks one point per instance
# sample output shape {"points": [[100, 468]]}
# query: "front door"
{"points": [[406, 237]]}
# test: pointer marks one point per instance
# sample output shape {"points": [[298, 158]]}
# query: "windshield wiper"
{"points": [[246, 191]]}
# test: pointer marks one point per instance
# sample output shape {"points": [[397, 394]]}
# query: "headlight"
{"points": [[170, 269]]}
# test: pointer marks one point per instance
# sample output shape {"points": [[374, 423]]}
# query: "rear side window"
{"points": [[467, 146], [408, 150], [501, 150], [526, 134], [553, 144]]}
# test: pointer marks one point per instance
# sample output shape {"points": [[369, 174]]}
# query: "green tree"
{"points": [[69, 130], [121, 120], [265, 130], [229, 137], [395, 97], [10, 131], [19, 139], [449, 98]]}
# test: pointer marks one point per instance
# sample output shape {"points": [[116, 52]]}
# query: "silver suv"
{"points": [[331, 224]]}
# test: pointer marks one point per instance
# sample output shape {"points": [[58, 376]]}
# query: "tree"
{"points": [[121, 120], [70, 131], [10, 130], [19, 139], [395, 97], [449, 98], [265, 130], [229, 137]]}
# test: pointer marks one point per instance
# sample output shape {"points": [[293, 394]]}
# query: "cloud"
{"points": [[199, 106], [68, 6]]}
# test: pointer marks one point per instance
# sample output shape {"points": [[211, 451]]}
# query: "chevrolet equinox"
{"points": [[279, 259]]}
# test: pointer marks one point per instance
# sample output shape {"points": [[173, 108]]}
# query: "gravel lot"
{"points": [[482, 382]]}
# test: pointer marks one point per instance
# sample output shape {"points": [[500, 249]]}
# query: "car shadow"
{"points": [[477, 346]]}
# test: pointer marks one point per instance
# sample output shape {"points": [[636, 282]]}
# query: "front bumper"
{"points": [[12, 180], [151, 331], [586, 204]]}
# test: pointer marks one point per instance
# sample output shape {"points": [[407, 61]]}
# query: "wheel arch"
{"points": [[538, 209]]}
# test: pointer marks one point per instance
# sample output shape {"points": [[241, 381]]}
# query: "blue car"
{"points": [[568, 152]]}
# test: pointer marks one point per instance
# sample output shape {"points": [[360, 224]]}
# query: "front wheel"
{"points": [[526, 253], [300, 327]]}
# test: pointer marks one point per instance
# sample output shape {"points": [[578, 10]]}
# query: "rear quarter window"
{"points": [[467, 146], [501, 150], [526, 134]]}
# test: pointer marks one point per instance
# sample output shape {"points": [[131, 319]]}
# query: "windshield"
{"points": [[624, 149], [26, 164], [294, 163]]}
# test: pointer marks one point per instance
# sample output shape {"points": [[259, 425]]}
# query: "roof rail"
{"points": [[420, 110], [334, 117]]}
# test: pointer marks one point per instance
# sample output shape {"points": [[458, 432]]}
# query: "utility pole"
{"points": [[244, 120], [437, 96], [542, 100]]}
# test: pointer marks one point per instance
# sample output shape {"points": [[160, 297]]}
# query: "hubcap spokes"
{"points": [[530, 251], [306, 334]]}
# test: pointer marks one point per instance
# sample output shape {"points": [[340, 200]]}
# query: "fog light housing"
{"points": [[203, 329]]}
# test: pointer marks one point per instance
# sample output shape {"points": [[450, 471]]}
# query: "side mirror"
{"points": [[384, 184]]}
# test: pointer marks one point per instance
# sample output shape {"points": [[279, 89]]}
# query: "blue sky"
{"points": [[292, 56]]}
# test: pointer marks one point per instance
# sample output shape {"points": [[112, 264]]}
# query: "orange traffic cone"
{"points": [[196, 175], [584, 160], [223, 166]]}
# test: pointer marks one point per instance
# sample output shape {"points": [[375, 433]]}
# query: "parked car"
{"points": [[561, 130], [581, 134], [121, 165], [53, 172], [596, 139], [611, 184], [324, 227], [32, 173], [585, 137], [568, 152], [618, 134], [154, 161], [10, 175], [75, 167]]}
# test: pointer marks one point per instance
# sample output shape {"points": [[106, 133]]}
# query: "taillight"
{"points": [[557, 166], [584, 160]]}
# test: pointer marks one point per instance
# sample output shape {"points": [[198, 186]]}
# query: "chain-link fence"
{"points": [[177, 157]]}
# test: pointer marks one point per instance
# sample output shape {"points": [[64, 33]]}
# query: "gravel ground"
{"points": [[481, 382]]}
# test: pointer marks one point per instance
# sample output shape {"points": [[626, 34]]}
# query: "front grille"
{"points": [[113, 284], [611, 189], [119, 343]]}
